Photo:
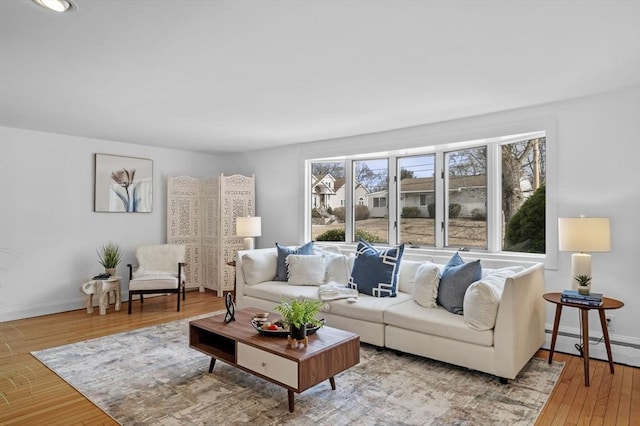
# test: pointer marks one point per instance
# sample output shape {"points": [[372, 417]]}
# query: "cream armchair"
{"points": [[159, 270]]}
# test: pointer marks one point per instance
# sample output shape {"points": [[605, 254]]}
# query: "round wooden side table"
{"points": [[607, 303]]}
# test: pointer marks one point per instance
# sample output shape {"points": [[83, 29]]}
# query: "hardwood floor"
{"points": [[30, 394]]}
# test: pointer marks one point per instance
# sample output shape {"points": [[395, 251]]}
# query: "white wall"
{"points": [[596, 174], [48, 230]]}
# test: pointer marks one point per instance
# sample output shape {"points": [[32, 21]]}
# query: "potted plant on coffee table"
{"points": [[298, 314], [109, 257]]}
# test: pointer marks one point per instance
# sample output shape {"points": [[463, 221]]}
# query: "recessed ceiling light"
{"points": [[56, 5]]}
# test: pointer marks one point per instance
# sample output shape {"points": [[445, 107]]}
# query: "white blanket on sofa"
{"points": [[334, 290]]}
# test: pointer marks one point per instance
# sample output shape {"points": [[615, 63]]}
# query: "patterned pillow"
{"points": [[457, 276], [283, 252], [375, 272]]}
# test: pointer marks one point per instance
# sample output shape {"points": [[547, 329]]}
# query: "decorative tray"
{"points": [[282, 332]]}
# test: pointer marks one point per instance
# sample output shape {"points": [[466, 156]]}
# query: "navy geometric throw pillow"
{"points": [[375, 272]]}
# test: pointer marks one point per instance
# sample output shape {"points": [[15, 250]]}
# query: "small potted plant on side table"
{"points": [[110, 257], [298, 314], [584, 284]]}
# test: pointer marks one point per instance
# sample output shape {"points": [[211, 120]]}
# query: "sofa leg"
{"points": [[503, 380], [379, 348], [399, 353]]}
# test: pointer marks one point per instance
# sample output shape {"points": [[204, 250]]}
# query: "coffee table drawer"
{"points": [[267, 364]]}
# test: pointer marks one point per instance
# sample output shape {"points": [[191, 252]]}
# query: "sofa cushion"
{"points": [[482, 299], [276, 291], [283, 252], [457, 276], [375, 272], [305, 269], [425, 287], [438, 322], [259, 267], [366, 308]]}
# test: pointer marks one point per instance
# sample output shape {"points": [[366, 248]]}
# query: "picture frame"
{"points": [[123, 184]]}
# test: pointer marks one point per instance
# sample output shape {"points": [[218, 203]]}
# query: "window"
{"points": [[480, 195], [371, 184], [465, 203], [417, 199], [379, 202], [328, 201]]}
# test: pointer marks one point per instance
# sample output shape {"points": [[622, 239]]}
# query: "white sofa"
{"points": [[402, 324]]}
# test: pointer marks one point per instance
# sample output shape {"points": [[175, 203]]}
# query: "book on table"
{"points": [[573, 294], [584, 302]]}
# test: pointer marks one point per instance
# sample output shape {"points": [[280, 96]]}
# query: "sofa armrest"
{"points": [[519, 330]]}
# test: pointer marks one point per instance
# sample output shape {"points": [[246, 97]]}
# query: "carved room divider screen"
{"points": [[201, 215]]}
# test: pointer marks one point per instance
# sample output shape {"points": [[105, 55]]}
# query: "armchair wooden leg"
{"points": [[130, 300], [178, 299]]}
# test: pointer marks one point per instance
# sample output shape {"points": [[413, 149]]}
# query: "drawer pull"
{"points": [[264, 364]]}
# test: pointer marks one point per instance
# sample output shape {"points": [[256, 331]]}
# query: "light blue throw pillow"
{"points": [[375, 272], [456, 277], [283, 252]]}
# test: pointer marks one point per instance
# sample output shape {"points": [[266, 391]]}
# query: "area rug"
{"points": [[150, 376]]}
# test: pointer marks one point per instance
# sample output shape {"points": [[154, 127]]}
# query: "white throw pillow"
{"points": [[482, 298], [407, 275], [259, 267], [305, 269], [336, 269], [425, 286]]}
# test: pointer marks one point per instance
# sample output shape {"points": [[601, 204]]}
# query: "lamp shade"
{"points": [[584, 234], [248, 226]]}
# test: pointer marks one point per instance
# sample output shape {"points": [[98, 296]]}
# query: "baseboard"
{"points": [[43, 309], [13, 314], [624, 349]]}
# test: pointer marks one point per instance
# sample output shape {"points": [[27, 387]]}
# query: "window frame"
{"points": [[426, 140]]}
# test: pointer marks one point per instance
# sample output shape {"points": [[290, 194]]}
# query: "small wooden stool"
{"points": [[103, 289]]}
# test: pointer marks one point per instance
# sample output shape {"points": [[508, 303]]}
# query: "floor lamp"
{"points": [[582, 235], [248, 227]]}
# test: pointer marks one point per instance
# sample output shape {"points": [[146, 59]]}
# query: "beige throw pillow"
{"points": [[337, 268], [425, 286], [305, 269], [482, 298], [259, 267]]}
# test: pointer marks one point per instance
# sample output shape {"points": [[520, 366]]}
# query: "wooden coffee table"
{"points": [[329, 352]]}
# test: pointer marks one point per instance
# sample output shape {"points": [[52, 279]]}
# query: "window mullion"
{"points": [[440, 199], [392, 200], [494, 201], [348, 201]]}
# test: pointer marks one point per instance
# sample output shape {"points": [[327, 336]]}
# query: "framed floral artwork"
{"points": [[123, 184]]}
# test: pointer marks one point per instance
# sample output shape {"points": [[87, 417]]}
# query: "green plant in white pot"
{"points": [[298, 314], [584, 283], [109, 257]]}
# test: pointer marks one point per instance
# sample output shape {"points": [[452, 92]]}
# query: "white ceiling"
{"points": [[228, 76]]}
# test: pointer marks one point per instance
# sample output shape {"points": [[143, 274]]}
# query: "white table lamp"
{"points": [[582, 235], [248, 227]]}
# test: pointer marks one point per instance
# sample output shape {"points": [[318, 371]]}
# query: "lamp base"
{"points": [[249, 243], [580, 265]]}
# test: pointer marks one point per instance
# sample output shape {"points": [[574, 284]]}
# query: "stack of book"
{"points": [[572, 296]]}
